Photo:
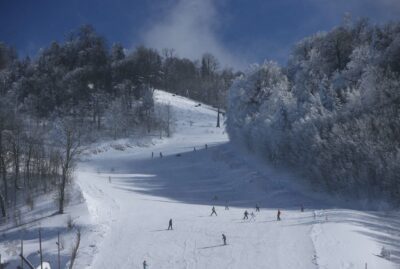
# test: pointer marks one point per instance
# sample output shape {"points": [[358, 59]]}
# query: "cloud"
{"points": [[190, 27]]}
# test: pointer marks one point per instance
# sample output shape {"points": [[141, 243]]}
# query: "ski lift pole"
{"points": [[58, 250], [40, 248], [22, 253], [23, 259]]}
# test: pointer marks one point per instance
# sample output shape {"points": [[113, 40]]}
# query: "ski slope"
{"points": [[131, 197]]}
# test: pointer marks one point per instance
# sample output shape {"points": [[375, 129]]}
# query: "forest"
{"points": [[331, 113], [80, 91]]}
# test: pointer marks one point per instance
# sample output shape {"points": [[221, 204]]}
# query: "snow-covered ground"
{"points": [[130, 197], [43, 216], [133, 209]]}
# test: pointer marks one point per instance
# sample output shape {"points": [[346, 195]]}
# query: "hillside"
{"points": [[129, 197]]}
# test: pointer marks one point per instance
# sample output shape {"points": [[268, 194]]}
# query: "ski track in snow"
{"points": [[131, 213]]}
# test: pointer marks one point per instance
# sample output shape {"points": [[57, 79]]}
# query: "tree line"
{"points": [[331, 113]]}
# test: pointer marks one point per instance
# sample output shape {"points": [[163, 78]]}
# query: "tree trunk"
{"points": [[94, 116], [62, 191], [16, 165], [2, 206], [218, 119], [28, 166], [4, 176], [98, 120], [168, 120], [3, 169], [16, 172], [65, 170], [75, 249]]}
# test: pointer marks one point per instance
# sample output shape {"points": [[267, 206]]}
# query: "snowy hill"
{"points": [[133, 210], [130, 197]]}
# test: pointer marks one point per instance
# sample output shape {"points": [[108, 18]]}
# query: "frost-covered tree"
{"points": [[118, 118], [332, 113], [68, 137]]}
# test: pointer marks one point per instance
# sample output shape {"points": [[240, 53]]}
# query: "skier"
{"points": [[170, 224], [145, 266], [252, 216], [226, 206], [206, 146], [257, 208], [213, 211], [278, 216], [224, 239], [161, 155], [302, 208], [246, 215]]}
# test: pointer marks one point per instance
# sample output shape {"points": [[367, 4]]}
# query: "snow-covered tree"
{"points": [[332, 114]]}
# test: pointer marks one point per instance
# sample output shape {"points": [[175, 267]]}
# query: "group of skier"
{"points": [[245, 217], [214, 212], [161, 154], [152, 155], [252, 215]]}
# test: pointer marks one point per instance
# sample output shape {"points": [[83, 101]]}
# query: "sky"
{"points": [[237, 32]]}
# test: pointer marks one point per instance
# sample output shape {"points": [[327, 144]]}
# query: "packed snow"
{"points": [[128, 198]]}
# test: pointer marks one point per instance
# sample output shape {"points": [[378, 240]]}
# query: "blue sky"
{"points": [[238, 32]]}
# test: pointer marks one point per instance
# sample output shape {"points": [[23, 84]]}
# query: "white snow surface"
{"points": [[129, 197], [132, 212]]}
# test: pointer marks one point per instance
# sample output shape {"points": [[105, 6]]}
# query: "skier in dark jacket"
{"points": [[170, 225], [278, 216], [145, 265], [213, 211], [224, 239], [246, 215], [257, 208]]}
